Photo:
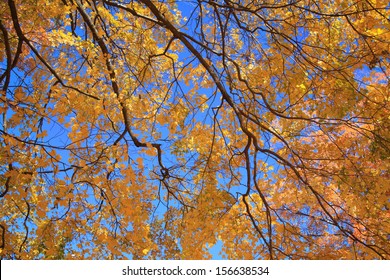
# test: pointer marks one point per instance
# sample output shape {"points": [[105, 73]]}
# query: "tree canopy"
{"points": [[149, 129]]}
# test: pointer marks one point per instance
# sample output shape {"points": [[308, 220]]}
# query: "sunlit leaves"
{"points": [[157, 130]]}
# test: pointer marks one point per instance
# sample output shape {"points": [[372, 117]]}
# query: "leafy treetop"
{"points": [[155, 129]]}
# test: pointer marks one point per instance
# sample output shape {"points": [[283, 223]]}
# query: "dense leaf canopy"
{"points": [[163, 129]]}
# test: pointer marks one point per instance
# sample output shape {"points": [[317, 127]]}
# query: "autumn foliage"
{"points": [[160, 129]]}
